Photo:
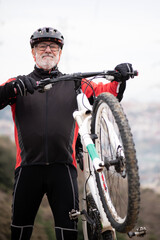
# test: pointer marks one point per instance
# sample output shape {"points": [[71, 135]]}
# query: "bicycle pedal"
{"points": [[140, 232], [74, 214]]}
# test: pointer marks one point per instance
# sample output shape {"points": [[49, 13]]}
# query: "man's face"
{"points": [[46, 55]]}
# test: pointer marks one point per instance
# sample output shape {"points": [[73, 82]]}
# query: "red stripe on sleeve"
{"points": [[18, 156]]}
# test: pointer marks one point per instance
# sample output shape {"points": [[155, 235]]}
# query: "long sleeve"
{"points": [[116, 88], [7, 94]]}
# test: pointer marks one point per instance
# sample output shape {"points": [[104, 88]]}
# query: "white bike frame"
{"points": [[92, 161]]}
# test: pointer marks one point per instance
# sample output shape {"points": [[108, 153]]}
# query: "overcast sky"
{"points": [[99, 34]]}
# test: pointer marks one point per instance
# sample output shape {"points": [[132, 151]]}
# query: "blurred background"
{"points": [[99, 34]]}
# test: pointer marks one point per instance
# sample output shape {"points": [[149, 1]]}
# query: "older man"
{"points": [[45, 136]]}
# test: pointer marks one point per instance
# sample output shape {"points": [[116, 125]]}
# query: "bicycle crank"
{"points": [[74, 214]]}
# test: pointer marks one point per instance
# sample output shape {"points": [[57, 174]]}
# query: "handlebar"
{"points": [[111, 75]]}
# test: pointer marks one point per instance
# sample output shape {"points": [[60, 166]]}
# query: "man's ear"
{"points": [[60, 52], [33, 54]]}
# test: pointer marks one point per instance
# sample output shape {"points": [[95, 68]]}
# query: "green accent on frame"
{"points": [[92, 151]]}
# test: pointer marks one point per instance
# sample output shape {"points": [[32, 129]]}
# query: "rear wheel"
{"points": [[118, 183], [94, 231]]}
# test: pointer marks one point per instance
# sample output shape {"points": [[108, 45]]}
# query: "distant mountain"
{"points": [[6, 123], [144, 119]]}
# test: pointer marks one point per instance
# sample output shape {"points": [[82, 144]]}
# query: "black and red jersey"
{"points": [[45, 130]]}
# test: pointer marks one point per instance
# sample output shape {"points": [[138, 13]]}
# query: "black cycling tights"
{"points": [[59, 183]]}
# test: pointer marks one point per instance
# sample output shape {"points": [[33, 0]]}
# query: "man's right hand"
{"points": [[24, 84]]}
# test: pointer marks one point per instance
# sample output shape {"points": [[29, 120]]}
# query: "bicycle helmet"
{"points": [[47, 33]]}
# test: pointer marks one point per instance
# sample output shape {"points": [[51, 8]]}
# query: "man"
{"points": [[45, 136]]}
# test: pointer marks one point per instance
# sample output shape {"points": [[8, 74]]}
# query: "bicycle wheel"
{"points": [[118, 183]]}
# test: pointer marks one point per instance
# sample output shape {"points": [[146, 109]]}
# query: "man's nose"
{"points": [[48, 49]]}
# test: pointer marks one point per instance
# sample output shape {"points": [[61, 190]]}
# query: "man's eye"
{"points": [[42, 46], [53, 46]]}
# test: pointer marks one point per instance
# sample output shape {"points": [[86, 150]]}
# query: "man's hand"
{"points": [[24, 84], [124, 69]]}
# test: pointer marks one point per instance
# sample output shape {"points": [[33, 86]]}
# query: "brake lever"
{"points": [[44, 85], [43, 82], [116, 76], [112, 75]]}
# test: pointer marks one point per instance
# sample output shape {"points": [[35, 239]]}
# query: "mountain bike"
{"points": [[111, 195]]}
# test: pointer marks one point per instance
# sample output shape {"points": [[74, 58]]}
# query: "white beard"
{"points": [[47, 63]]}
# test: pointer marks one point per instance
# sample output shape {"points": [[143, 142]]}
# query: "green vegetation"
{"points": [[44, 223], [7, 163], [121, 236]]}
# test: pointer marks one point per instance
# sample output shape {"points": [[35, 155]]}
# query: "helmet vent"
{"points": [[47, 30]]}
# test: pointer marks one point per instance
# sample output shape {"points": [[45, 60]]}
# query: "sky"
{"points": [[99, 34]]}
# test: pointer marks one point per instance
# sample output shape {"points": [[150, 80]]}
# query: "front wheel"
{"points": [[118, 183]]}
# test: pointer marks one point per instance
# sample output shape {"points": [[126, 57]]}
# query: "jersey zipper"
{"points": [[46, 130]]}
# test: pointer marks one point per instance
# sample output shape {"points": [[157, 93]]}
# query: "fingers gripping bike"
{"points": [[111, 195]]}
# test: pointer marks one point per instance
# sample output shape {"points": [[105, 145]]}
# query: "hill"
{"points": [[43, 230]]}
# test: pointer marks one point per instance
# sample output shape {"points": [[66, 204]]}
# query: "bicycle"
{"points": [[111, 194]]}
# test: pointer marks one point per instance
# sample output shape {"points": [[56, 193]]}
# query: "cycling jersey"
{"points": [[45, 130]]}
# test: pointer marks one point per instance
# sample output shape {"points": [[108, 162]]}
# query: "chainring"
{"points": [[94, 230]]}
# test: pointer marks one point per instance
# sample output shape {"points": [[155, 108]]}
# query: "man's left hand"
{"points": [[124, 69]]}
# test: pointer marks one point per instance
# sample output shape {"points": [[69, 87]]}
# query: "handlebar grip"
{"points": [[135, 73]]}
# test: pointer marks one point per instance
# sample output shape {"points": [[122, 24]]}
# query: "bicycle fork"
{"points": [[83, 118]]}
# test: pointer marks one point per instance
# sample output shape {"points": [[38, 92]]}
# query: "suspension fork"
{"points": [[83, 118]]}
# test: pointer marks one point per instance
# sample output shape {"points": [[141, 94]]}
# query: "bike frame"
{"points": [[91, 161]]}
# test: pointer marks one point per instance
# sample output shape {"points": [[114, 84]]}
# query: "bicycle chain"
{"points": [[94, 230]]}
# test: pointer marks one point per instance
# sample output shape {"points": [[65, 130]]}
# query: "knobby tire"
{"points": [[119, 190]]}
